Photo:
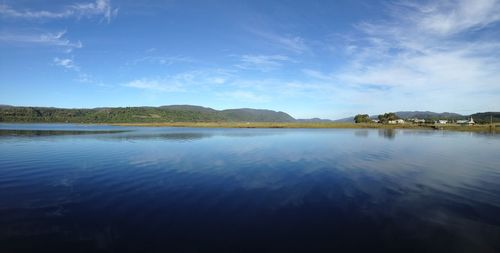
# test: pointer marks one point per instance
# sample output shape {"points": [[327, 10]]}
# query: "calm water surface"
{"points": [[247, 190]]}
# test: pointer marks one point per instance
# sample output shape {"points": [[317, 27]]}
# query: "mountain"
{"points": [[168, 113], [188, 108], [428, 115], [257, 115]]}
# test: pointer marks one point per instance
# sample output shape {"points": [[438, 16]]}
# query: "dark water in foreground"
{"points": [[247, 190]]}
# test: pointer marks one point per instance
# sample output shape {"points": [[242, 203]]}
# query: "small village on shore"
{"points": [[393, 119], [468, 122]]}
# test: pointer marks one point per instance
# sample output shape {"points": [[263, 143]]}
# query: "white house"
{"points": [[398, 121], [416, 120], [442, 121], [471, 121], [466, 122]]}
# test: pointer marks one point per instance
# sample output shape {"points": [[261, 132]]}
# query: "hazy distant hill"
{"points": [[314, 120], [348, 119], [428, 115], [170, 113]]}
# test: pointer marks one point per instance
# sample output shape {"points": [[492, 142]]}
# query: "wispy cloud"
{"points": [[70, 64], [263, 62], [449, 17], [428, 55], [45, 39], [66, 63], [163, 60], [243, 95], [317, 75], [93, 9], [291, 43], [183, 81]]}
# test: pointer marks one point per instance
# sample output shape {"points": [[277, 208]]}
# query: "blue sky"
{"points": [[328, 59]]}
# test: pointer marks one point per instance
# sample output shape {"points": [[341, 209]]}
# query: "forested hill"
{"points": [[171, 113]]}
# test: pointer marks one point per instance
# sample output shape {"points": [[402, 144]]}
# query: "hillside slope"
{"points": [[171, 113]]}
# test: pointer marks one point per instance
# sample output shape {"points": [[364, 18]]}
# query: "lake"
{"points": [[81, 188]]}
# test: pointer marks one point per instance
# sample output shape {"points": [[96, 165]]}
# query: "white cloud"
{"points": [[98, 8], [45, 39], [218, 80], [164, 85]]}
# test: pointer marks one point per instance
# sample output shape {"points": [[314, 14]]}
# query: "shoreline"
{"points": [[314, 125], [485, 128]]}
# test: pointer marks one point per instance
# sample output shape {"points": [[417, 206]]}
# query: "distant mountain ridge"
{"points": [[428, 115], [167, 113], [314, 120]]}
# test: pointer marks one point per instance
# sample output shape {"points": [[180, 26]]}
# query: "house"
{"points": [[416, 120], [466, 122], [471, 121], [375, 120], [442, 121], [397, 121]]}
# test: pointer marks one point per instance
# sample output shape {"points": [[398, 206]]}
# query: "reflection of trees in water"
{"points": [[361, 133], [388, 133]]}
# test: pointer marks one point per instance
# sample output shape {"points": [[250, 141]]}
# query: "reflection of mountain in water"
{"points": [[182, 136], [30, 133], [158, 136]]}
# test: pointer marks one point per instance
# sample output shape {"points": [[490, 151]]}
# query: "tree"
{"points": [[386, 117], [362, 118]]}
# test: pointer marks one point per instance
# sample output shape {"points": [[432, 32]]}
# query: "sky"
{"points": [[328, 59]]}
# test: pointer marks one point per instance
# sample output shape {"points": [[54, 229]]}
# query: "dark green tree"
{"points": [[362, 118], [387, 116]]}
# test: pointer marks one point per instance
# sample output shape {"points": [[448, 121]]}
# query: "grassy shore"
{"points": [[452, 127]]}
